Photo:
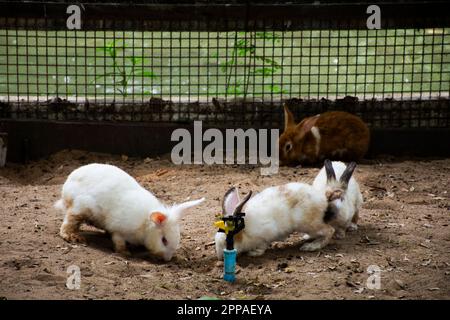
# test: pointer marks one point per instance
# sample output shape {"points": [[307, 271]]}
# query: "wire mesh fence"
{"points": [[233, 67]]}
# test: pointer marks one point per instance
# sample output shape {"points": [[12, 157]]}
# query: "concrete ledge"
{"points": [[34, 139]]}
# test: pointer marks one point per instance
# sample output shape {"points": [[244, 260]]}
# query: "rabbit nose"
{"points": [[334, 194], [167, 256]]}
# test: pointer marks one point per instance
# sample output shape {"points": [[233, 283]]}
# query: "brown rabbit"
{"points": [[335, 135]]}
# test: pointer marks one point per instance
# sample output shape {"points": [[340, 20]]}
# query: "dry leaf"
{"points": [[161, 172], [400, 283], [350, 284], [360, 290], [289, 270], [210, 244]]}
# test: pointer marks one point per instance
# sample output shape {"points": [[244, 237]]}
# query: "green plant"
{"points": [[244, 53], [125, 68]]}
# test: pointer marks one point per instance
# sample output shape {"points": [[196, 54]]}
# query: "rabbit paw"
{"points": [[352, 227], [256, 252], [339, 234], [306, 237], [120, 245], [123, 252], [73, 237], [311, 246]]}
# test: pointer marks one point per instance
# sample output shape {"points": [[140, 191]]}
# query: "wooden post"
{"points": [[3, 148]]}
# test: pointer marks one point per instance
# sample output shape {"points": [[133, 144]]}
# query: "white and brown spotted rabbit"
{"points": [[342, 191], [275, 213]]}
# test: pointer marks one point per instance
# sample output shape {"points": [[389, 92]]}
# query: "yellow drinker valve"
{"points": [[226, 227], [219, 224]]}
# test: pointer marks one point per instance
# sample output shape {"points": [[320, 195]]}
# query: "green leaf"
{"points": [[267, 36], [276, 89], [101, 49], [269, 61], [241, 43], [244, 51], [135, 60], [235, 89], [112, 52], [147, 74], [264, 71], [244, 47]]}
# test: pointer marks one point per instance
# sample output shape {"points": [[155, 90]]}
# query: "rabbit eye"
{"points": [[164, 241], [288, 147]]}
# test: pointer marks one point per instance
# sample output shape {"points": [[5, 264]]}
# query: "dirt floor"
{"points": [[404, 230]]}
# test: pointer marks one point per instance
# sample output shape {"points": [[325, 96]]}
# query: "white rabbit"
{"points": [[274, 214], [342, 191], [110, 199]]}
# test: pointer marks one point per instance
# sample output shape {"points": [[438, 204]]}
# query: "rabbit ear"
{"points": [[331, 176], [306, 124], [179, 210], [230, 201], [347, 174], [158, 218], [242, 203], [288, 118]]}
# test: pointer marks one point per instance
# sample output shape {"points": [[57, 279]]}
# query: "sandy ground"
{"points": [[404, 230]]}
